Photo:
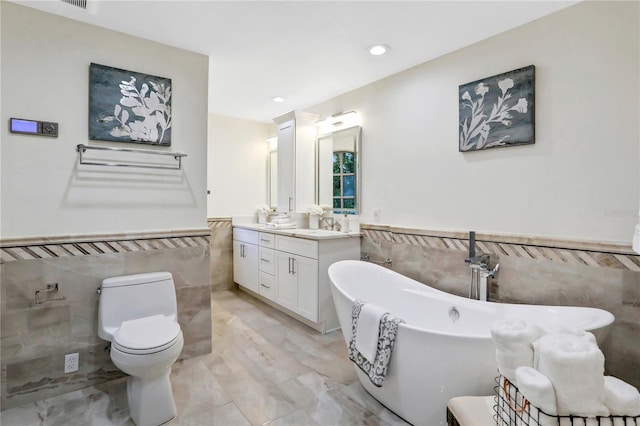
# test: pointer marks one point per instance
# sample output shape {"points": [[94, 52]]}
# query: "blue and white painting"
{"points": [[497, 111], [127, 106]]}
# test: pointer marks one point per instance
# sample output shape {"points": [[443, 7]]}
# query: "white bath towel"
{"points": [[575, 366], [561, 329], [387, 331], [281, 225], [512, 339], [620, 397], [537, 388], [281, 219], [589, 337], [367, 331]]}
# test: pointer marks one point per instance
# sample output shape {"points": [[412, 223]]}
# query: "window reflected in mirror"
{"points": [[338, 171], [344, 181]]}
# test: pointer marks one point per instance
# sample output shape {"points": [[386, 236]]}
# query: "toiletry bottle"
{"points": [[344, 224]]}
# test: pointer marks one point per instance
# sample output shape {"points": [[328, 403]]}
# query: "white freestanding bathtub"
{"points": [[436, 358]]}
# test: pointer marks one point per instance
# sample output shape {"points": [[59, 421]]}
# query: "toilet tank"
{"points": [[134, 296]]}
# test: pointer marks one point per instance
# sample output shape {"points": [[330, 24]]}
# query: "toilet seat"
{"points": [[147, 335]]}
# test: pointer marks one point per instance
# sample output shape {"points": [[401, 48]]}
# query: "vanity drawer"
{"points": [[245, 235], [267, 240], [267, 286], [300, 246], [267, 260]]}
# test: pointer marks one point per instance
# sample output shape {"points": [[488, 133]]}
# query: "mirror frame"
{"points": [[358, 172]]}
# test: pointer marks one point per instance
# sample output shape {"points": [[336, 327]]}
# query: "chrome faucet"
{"points": [[329, 223], [480, 273]]}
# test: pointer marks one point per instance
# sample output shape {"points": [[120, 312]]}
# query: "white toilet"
{"points": [[138, 315]]}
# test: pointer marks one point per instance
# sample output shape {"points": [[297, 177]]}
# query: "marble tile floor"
{"points": [[265, 369]]}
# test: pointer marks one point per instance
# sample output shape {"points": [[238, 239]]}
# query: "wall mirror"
{"points": [[338, 170], [272, 172]]}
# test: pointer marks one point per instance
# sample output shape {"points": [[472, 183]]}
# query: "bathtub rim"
{"points": [[608, 317]]}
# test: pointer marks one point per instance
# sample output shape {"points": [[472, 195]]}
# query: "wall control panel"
{"points": [[33, 127]]}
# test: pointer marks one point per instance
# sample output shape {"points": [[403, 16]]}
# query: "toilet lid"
{"points": [[148, 334]]}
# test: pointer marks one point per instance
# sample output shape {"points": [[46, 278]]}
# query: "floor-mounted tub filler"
{"points": [[443, 349]]}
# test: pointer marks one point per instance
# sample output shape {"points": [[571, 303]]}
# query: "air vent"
{"points": [[82, 4]]}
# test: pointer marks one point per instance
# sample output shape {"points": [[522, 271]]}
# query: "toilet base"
{"points": [[151, 400]]}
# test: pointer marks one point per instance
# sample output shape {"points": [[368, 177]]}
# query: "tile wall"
{"points": [[532, 271], [36, 336], [221, 254]]}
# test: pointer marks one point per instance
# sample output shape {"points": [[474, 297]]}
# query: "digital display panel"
{"points": [[24, 126]]}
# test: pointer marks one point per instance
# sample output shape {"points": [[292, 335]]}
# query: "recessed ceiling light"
{"points": [[277, 99], [378, 49]]}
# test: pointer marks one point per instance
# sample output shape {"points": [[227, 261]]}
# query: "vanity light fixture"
{"points": [[277, 99], [378, 49], [338, 121]]}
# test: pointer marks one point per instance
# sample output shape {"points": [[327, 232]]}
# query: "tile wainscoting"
{"points": [[532, 271], [221, 253], [35, 337]]}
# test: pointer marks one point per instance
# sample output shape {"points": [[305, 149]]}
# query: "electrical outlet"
{"points": [[376, 215], [71, 362]]}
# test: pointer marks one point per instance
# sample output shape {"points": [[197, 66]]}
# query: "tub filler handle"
{"points": [[366, 258]]}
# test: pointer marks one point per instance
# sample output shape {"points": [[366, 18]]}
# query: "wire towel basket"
{"points": [[511, 408]]}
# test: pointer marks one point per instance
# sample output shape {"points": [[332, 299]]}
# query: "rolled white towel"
{"points": [[513, 339], [620, 397], [575, 367], [557, 329], [537, 388]]}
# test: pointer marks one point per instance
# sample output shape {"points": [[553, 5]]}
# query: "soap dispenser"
{"points": [[344, 224]]}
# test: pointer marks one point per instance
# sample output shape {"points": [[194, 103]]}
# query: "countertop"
{"points": [[310, 234]]}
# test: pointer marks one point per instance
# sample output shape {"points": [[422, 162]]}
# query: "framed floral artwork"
{"points": [[497, 111], [127, 106]]}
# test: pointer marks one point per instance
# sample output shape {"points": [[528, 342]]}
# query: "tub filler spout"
{"points": [[480, 276]]}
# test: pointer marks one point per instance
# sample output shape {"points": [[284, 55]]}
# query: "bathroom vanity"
{"points": [[287, 269]]}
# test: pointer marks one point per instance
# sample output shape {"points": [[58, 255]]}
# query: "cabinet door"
{"points": [[287, 286], [246, 266], [306, 272], [286, 165]]}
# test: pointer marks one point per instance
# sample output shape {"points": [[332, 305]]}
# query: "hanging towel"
{"points": [[621, 398], [368, 331], [512, 339], [387, 330], [575, 366]]}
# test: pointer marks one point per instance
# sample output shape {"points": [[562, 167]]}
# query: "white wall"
{"points": [[237, 170], [581, 178], [45, 72]]}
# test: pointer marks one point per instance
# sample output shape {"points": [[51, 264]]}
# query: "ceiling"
{"points": [[304, 51]]}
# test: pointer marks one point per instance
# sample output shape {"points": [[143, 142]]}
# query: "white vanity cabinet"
{"points": [[292, 271], [245, 258], [296, 160]]}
